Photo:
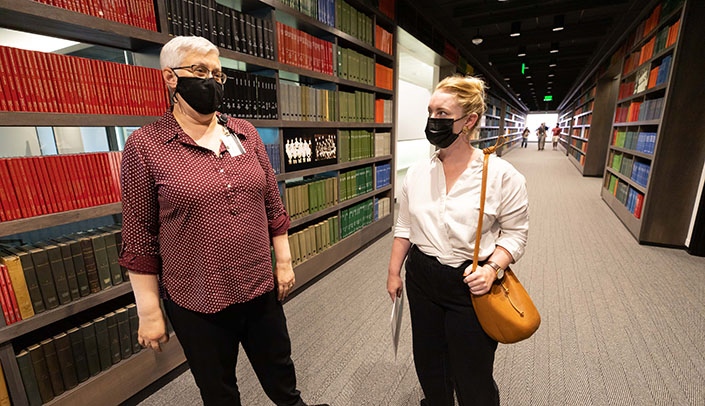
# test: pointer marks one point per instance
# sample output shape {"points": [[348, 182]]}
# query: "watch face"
{"points": [[500, 274]]}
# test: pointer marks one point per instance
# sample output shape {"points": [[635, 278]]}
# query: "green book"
{"points": [[102, 337], [114, 336], [123, 325], [79, 265], [52, 361], [101, 259], [89, 261], [29, 380], [113, 256], [67, 257], [30, 277], [44, 277], [41, 372], [91, 345], [134, 327], [58, 272], [79, 354], [64, 353]]}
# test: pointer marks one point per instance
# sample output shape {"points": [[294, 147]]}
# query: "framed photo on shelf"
{"points": [[304, 151]]}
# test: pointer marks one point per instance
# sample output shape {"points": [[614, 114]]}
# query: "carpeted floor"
{"points": [[622, 324]]}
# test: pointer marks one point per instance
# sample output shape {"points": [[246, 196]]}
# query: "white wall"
{"points": [[534, 120]]}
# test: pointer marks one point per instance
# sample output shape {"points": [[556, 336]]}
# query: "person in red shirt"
{"points": [[200, 208], [556, 136]]}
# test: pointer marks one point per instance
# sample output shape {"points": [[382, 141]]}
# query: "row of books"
{"points": [[138, 13], [646, 78], [646, 26], [250, 96], [384, 77], [355, 145], [306, 103], [382, 207], [309, 196], [578, 156], [59, 363], [33, 186], [314, 239], [384, 40], [222, 25], [274, 155], [351, 21], [303, 50], [322, 10], [358, 106], [584, 108], [628, 165], [355, 182], [664, 39], [580, 145], [52, 273], [356, 217], [383, 175], [584, 120], [47, 82], [352, 65], [631, 198], [487, 121], [384, 111], [639, 111], [642, 141], [383, 144]]}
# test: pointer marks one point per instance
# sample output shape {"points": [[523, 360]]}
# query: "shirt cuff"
{"points": [[513, 247], [279, 225], [147, 264]]}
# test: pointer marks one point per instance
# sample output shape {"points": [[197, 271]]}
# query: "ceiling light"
{"points": [[516, 28], [477, 39], [506, 78], [558, 22], [528, 76], [552, 63], [550, 75], [522, 51], [554, 47]]}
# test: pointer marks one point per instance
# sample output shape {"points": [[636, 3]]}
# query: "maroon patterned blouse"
{"points": [[202, 222]]}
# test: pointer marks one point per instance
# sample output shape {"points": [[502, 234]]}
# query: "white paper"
{"points": [[395, 320]]}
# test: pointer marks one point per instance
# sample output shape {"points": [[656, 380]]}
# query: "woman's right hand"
{"points": [[395, 286], [152, 330]]}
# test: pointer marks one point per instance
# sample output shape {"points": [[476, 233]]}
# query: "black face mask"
{"points": [[203, 95], [439, 131]]}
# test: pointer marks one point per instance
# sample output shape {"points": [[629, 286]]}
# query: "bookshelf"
{"points": [[655, 140], [351, 63], [500, 118], [565, 121]]}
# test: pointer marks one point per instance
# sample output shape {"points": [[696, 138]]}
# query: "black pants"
{"points": [[451, 351], [523, 142], [210, 342]]}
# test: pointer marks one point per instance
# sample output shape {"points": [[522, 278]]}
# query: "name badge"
{"points": [[232, 144]]}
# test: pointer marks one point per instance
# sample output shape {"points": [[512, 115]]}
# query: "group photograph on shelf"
{"points": [[189, 190]]}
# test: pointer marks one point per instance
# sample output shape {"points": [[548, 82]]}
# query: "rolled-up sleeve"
{"points": [[513, 215], [140, 213]]}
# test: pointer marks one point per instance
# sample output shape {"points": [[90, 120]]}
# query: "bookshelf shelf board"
{"points": [[326, 260], [62, 23], [580, 138], [632, 223], [330, 124], [336, 167], [625, 178], [573, 147], [632, 152], [582, 114], [582, 126], [55, 219], [132, 375], [659, 88], [648, 62], [23, 119], [637, 123], [47, 317]]}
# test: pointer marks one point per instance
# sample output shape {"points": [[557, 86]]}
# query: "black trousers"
{"points": [[451, 351], [210, 342]]}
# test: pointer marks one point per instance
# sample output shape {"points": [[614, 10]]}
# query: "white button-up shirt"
{"points": [[443, 225]]}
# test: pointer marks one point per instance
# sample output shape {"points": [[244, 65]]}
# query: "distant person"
{"points": [[435, 233], [525, 137], [556, 136], [541, 132]]}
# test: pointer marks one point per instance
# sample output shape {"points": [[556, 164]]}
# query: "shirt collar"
{"points": [[171, 130]]}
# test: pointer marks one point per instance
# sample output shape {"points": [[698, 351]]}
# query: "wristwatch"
{"points": [[497, 268]]}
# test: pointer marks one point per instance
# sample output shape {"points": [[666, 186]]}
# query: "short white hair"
{"points": [[174, 51]]}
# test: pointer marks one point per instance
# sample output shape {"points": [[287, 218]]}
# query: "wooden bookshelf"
{"points": [[651, 153], [138, 371]]}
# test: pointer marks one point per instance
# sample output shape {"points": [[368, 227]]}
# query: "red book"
{"points": [[11, 291], [104, 102], [67, 177], [638, 206], [23, 188], [8, 195], [74, 177], [44, 187], [47, 81], [66, 101], [5, 301], [54, 177], [17, 78], [36, 187], [101, 177], [34, 71]]}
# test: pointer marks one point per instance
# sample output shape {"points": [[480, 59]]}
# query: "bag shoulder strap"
{"points": [[501, 140]]}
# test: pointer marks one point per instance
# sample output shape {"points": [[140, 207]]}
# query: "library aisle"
{"points": [[622, 323]]}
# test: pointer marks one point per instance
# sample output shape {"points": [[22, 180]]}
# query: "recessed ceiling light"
{"points": [[516, 29], [522, 51], [554, 47], [558, 22], [477, 39]]}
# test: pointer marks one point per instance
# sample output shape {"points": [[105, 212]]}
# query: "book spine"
{"points": [[91, 345], [123, 326], [102, 337], [64, 353], [41, 372], [79, 354], [53, 365], [29, 380]]}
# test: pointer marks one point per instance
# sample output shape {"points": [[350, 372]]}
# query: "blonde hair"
{"points": [[174, 51], [469, 91]]}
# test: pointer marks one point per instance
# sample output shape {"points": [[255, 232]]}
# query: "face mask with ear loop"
{"points": [[439, 131], [203, 95]]}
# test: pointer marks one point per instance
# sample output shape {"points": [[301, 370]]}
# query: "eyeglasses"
{"points": [[202, 72]]}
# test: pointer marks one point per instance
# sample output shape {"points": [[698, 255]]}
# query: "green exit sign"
{"points": [[548, 98]]}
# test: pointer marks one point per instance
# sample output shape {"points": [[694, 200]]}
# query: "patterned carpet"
{"points": [[622, 324]]}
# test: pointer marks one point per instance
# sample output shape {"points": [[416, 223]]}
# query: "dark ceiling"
{"points": [[591, 30]]}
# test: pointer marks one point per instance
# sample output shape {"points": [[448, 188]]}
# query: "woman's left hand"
{"points": [[285, 279], [481, 280]]}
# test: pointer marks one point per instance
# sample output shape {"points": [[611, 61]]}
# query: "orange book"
{"points": [[653, 75]]}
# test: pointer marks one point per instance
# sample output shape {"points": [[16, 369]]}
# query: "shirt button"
{"points": [[228, 186], [221, 171], [233, 211]]}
